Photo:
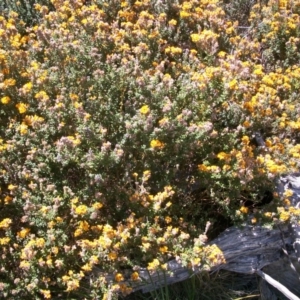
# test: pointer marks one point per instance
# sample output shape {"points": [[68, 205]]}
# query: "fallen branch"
{"points": [[277, 285]]}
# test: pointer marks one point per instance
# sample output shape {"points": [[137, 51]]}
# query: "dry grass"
{"points": [[221, 285]]}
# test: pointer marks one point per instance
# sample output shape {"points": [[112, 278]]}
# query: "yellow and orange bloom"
{"points": [[23, 233], [5, 100], [119, 277], [46, 294], [22, 107], [244, 209], [81, 209], [156, 144], [5, 223], [135, 276], [153, 265]]}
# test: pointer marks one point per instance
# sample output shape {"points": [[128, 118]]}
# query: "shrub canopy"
{"points": [[127, 125]]}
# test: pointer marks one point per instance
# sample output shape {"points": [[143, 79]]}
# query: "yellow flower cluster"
{"points": [[5, 223], [215, 255], [144, 110], [156, 144], [72, 280]]}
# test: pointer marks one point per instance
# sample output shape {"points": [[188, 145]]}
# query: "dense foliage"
{"points": [[127, 125]]}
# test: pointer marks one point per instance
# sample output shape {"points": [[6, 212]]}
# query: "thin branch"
{"points": [[277, 285]]}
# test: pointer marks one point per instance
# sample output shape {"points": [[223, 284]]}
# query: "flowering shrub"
{"points": [[125, 127], [25, 9]]}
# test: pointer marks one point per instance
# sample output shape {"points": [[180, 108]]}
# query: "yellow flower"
{"points": [[288, 193], [233, 84], [268, 214], [74, 200], [246, 124], [153, 265], [5, 223], [186, 5], [97, 205], [226, 168], [284, 216], [9, 82], [22, 107], [54, 250], [294, 211], [173, 50], [196, 261], [202, 168], [12, 187], [204, 36], [254, 220], [184, 14], [42, 95], [163, 249], [81, 210], [215, 254], [163, 121], [282, 3], [144, 110], [119, 277], [77, 104], [73, 97], [84, 225], [24, 264], [195, 37], [5, 100], [72, 284], [4, 241], [222, 54], [109, 231], [78, 232], [244, 209], [23, 233], [44, 209], [267, 80], [87, 267], [94, 260], [213, 169], [76, 141], [193, 52], [32, 120], [40, 242], [258, 70], [223, 156], [173, 22], [65, 278], [112, 255], [27, 87], [156, 144], [49, 261], [135, 276], [245, 140], [46, 294], [146, 175], [146, 245], [275, 168], [23, 128], [59, 219], [168, 219]]}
